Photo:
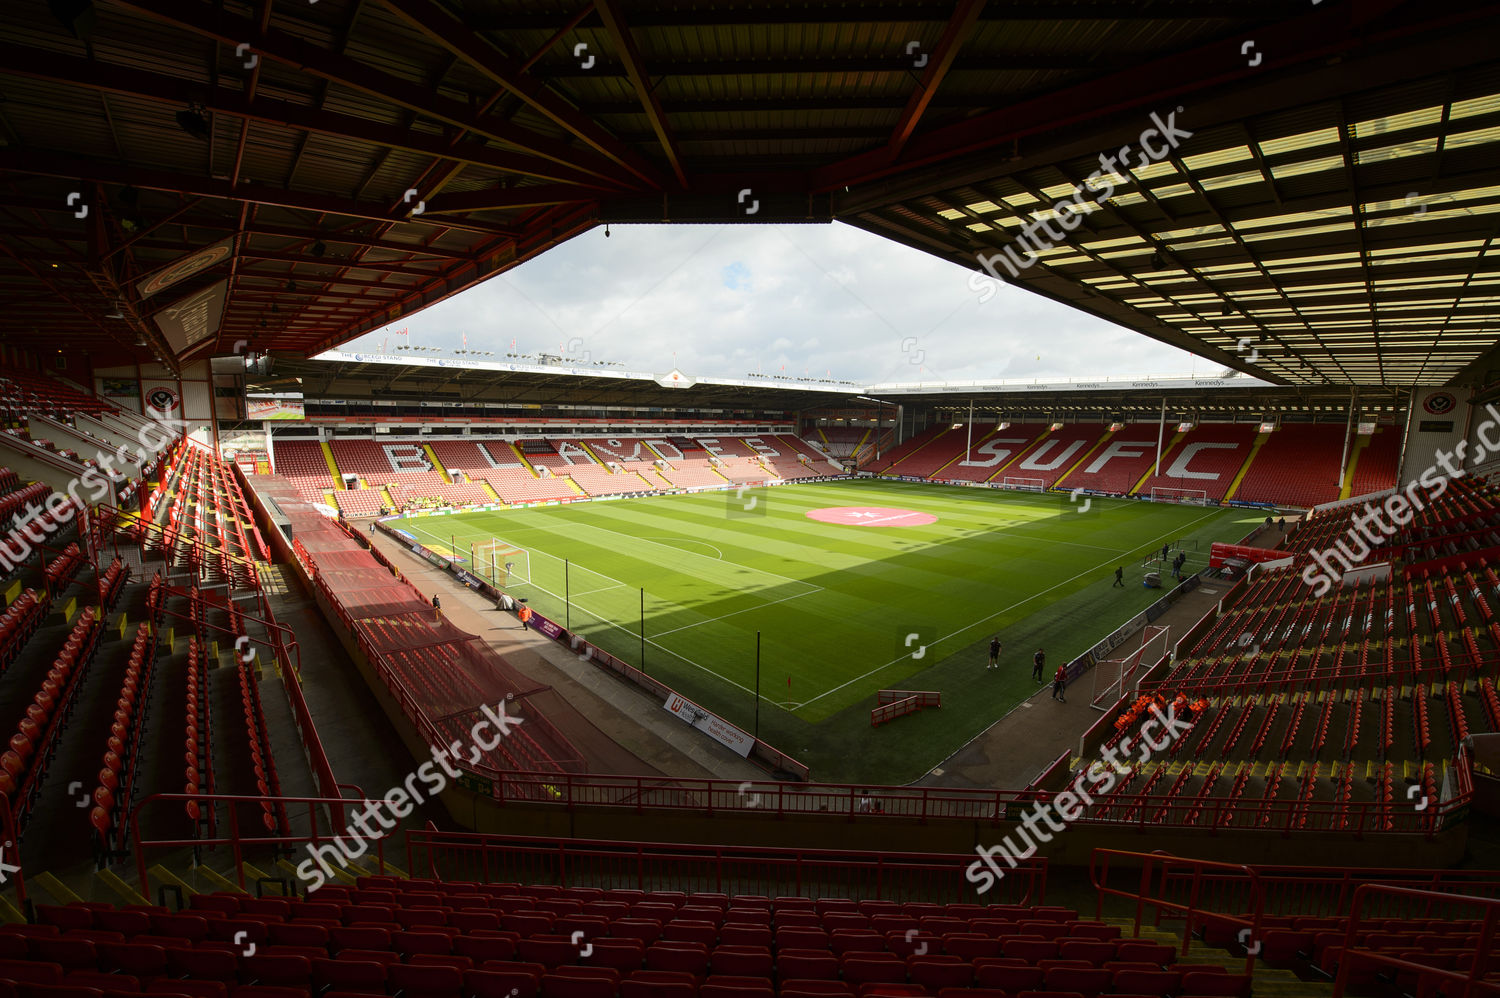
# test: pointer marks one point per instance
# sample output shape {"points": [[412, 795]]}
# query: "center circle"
{"points": [[871, 516]]}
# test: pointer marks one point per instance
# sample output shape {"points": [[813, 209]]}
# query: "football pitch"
{"points": [[852, 587]]}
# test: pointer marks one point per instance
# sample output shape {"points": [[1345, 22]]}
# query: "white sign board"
{"points": [[712, 725]]}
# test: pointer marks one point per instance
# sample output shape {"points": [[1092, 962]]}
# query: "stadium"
{"points": [[335, 663]]}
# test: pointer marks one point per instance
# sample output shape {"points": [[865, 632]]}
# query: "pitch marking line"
{"points": [[686, 540], [604, 589], [983, 620], [760, 571], [733, 613], [650, 640]]}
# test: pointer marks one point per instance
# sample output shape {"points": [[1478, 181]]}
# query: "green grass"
{"points": [[835, 604]]}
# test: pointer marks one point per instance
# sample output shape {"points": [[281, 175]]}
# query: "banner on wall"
{"points": [[118, 387], [180, 270], [193, 319], [1437, 421]]}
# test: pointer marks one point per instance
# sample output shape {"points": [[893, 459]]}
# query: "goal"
{"points": [[1121, 674], [1024, 484], [1193, 497], [500, 562]]}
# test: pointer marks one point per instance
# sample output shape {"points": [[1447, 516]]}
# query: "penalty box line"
{"points": [[997, 613], [649, 640], [696, 554]]}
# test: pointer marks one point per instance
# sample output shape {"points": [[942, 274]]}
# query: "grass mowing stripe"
{"points": [[985, 620], [1008, 561]]}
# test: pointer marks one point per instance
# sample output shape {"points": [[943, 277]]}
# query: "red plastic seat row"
{"points": [[198, 752], [116, 780], [24, 763], [273, 816]]}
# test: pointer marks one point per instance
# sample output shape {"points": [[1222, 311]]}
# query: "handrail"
{"points": [[1482, 952], [1314, 679], [746, 869], [1158, 863], [235, 840]]}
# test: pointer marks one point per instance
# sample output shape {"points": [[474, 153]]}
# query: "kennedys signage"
{"points": [[194, 318]]}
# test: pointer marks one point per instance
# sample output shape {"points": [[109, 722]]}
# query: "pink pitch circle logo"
{"points": [[871, 516]]}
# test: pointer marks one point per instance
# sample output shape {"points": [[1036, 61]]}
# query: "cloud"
{"points": [[732, 299]]}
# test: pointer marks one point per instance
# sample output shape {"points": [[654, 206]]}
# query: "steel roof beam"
{"points": [[630, 56], [1319, 35], [675, 16], [122, 80], [425, 101], [513, 197], [960, 26], [437, 24], [106, 173]]}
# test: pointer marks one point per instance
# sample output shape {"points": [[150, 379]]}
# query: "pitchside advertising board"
{"points": [[715, 727]]}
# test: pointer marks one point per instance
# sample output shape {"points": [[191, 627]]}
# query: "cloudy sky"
{"points": [[724, 301]]}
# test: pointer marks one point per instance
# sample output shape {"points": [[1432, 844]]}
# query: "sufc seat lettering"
{"points": [[1179, 468], [1119, 448], [998, 450], [1033, 461], [406, 457]]}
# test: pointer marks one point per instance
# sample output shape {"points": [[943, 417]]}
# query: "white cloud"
{"points": [[726, 300]]}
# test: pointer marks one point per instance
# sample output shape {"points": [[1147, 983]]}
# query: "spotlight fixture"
{"points": [[194, 122], [319, 248], [118, 312], [606, 230], [1157, 262]]}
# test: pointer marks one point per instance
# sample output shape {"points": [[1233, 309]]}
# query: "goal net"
{"points": [[1024, 484], [1121, 673], [1195, 497], [500, 562]]}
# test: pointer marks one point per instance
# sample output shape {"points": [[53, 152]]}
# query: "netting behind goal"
{"points": [[1024, 484], [1121, 673], [1196, 497]]}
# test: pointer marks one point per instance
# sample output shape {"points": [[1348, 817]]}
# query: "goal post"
{"points": [[1024, 484], [1194, 497], [1121, 673], [500, 562]]}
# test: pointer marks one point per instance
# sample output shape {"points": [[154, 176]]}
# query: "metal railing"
{"points": [[764, 871], [319, 830], [1154, 887], [1470, 983]]}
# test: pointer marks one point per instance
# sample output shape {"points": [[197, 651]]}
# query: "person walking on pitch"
{"points": [[994, 653], [1037, 661]]}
